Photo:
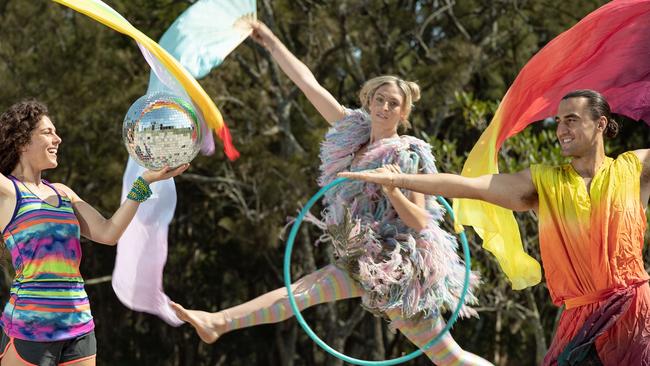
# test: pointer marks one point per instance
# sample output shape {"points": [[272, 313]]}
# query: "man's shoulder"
{"points": [[544, 175], [540, 168], [633, 160], [642, 154], [641, 162]]}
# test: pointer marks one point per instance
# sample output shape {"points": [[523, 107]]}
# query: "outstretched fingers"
{"points": [[392, 168], [381, 176], [166, 172], [355, 175]]}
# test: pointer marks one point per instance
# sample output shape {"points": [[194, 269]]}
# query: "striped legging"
{"points": [[330, 284]]}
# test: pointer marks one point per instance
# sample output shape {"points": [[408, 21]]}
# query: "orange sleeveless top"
{"points": [[591, 245]]}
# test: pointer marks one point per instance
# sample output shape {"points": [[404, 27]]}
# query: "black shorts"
{"points": [[51, 353]]}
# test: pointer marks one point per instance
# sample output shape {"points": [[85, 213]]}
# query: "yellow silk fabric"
{"points": [[104, 14], [496, 225]]}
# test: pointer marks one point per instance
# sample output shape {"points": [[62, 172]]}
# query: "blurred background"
{"points": [[226, 244]]}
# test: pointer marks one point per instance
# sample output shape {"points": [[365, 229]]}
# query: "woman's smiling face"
{"points": [[41, 151], [386, 106]]}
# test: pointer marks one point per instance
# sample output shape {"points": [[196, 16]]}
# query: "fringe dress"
{"points": [[419, 272]]}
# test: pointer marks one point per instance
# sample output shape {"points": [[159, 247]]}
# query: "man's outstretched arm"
{"points": [[512, 191]]}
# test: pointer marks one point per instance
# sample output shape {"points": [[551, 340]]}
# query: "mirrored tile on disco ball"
{"points": [[161, 129]]}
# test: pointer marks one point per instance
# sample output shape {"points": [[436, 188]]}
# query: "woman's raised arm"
{"points": [[299, 73]]}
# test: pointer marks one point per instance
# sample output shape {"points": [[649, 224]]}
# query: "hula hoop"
{"points": [[320, 342]]}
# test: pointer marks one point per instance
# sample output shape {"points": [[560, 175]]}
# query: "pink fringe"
{"points": [[417, 272]]}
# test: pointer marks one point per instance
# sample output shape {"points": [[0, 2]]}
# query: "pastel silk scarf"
{"points": [[162, 63], [200, 45]]}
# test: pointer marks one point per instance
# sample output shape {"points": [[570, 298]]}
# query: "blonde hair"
{"points": [[410, 92]]}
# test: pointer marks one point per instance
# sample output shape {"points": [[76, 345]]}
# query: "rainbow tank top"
{"points": [[47, 299]]}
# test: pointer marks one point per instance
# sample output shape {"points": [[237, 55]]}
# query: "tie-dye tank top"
{"points": [[47, 299]]}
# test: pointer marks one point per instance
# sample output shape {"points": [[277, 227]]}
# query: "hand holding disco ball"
{"points": [[162, 130], [152, 176]]}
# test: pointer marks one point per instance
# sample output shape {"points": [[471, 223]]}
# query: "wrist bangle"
{"points": [[140, 191]]}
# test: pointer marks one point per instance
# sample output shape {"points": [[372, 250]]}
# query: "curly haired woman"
{"points": [[47, 320]]}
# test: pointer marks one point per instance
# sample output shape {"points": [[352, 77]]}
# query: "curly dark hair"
{"points": [[16, 126]]}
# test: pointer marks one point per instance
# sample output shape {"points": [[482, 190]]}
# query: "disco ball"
{"points": [[161, 129]]}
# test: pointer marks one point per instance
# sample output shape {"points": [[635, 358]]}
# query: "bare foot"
{"points": [[209, 326]]}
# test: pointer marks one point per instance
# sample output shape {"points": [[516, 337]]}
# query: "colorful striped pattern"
{"points": [[47, 299], [606, 51], [445, 352], [331, 284], [325, 285]]}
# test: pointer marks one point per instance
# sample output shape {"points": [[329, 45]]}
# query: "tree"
{"points": [[226, 242]]}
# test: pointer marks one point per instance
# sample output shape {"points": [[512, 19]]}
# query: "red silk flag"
{"points": [[607, 51]]}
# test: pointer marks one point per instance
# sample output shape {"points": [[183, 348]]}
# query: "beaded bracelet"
{"points": [[140, 191]]}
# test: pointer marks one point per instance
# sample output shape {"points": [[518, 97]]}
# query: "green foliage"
{"points": [[226, 240]]}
